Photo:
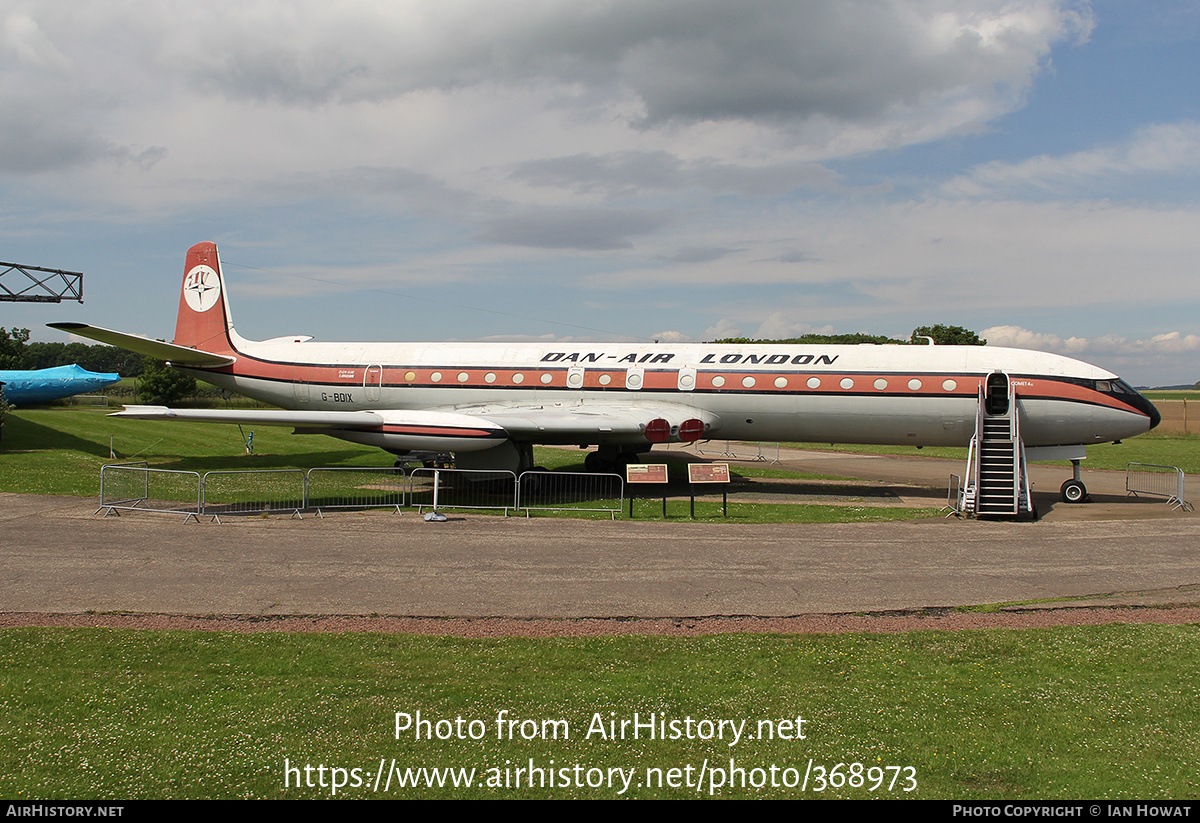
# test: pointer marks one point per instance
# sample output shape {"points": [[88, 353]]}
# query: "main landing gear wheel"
{"points": [[608, 462], [1073, 491]]}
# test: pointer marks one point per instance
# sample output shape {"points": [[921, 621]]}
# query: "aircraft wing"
{"points": [[262, 417], [411, 430], [178, 355], [470, 428]]}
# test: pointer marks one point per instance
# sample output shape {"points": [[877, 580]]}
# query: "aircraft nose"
{"points": [[1144, 405], [1152, 410]]}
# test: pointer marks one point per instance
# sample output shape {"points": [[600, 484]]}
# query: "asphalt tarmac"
{"points": [[57, 556]]}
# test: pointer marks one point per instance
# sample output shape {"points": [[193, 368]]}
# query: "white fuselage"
{"points": [[916, 395]]}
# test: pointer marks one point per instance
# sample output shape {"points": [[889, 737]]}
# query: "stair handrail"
{"points": [[974, 449], [1023, 490]]}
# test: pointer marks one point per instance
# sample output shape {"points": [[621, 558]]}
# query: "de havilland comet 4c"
{"points": [[490, 403]]}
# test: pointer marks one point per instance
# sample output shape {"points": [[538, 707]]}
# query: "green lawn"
{"points": [[1171, 394], [1093, 712], [59, 450]]}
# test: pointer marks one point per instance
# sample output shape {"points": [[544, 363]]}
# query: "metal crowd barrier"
{"points": [[252, 491], [954, 496], [136, 486], [1161, 481], [130, 486], [729, 453], [574, 491], [355, 488], [436, 489]]}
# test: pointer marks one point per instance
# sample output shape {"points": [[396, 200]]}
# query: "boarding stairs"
{"points": [[997, 473]]}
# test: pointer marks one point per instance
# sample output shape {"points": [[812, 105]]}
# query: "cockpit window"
{"points": [[1118, 387]]}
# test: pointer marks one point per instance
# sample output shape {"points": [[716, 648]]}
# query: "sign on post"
{"points": [[637, 473], [709, 473]]}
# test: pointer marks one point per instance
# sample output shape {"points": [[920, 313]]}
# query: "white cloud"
{"points": [[778, 327], [1165, 149], [1170, 357], [263, 87], [723, 329], [28, 43]]}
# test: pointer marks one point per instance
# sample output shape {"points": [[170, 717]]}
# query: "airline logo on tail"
{"points": [[202, 288]]}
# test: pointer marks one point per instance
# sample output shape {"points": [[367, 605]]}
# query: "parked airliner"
{"points": [[490, 403]]}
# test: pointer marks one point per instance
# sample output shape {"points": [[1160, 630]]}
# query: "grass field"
{"points": [[1171, 394], [1097, 712], [60, 450]]}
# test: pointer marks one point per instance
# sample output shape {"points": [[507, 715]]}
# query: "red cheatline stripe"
{"points": [[664, 380]]}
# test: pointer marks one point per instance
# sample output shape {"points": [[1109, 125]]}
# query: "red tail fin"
{"points": [[203, 321]]}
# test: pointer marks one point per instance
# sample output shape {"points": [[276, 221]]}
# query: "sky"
{"points": [[617, 169]]}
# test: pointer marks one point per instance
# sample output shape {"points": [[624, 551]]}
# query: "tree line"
{"points": [[17, 353], [942, 335]]}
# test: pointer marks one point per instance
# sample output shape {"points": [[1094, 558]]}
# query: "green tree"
{"points": [[818, 339], [92, 358], [948, 336], [12, 348], [161, 385]]}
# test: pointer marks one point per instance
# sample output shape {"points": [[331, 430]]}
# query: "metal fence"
{"points": [[128, 486], [954, 495], [576, 491], [355, 488], [436, 489], [258, 491], [1161, 481], [759, 456]]}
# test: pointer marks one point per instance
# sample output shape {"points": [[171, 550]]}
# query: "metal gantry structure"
{"points": [[33, 284]]}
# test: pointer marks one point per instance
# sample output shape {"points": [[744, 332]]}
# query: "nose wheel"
{"points": [[1073, 491]]}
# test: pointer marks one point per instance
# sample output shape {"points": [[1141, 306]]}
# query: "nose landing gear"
{"points": [[1073, 491]]}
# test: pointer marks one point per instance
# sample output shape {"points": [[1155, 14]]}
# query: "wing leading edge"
{"points": [[472, 428], [391, 430]]}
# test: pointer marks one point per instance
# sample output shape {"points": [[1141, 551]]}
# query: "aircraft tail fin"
{"points": [[204, 322]]}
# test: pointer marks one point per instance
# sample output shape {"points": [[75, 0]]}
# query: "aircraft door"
{"points": [[373, 382], [996, 394], [300, 389]]}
